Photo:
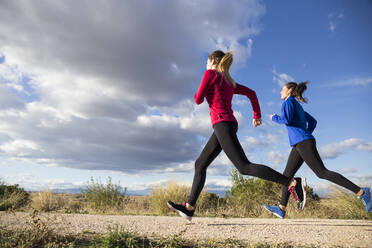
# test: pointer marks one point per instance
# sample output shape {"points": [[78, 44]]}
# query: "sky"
{"points": [[105, 88]]}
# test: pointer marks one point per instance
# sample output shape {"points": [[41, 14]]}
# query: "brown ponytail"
{"points": [[298, 90], [224, 61]]}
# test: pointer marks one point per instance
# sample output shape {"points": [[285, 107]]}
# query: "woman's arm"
{"points": [[208, 76], [287, 114], [243, 90], [311, 122]]}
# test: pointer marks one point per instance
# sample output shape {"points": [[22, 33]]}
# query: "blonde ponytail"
{"points": [[224, 66]]}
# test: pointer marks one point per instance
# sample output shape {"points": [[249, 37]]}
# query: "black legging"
{"points": [[224, 137], [306, 151]]}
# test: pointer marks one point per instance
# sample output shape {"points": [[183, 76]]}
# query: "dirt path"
{"points": [[317, 232]]}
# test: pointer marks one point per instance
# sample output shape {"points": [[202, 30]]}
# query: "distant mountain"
{"points": [[129, 192]]}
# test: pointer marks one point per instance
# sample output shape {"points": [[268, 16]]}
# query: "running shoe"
{"points": [[181, 209], [366, 199], [276, 210], [299, 193]]}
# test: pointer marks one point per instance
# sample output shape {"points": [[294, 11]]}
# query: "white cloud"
{"points": [[96, 75], [29, 182], [335, 150], [218, 184], [347, 170], [281, 78], [365, 146], [351, 82], [363, 180], [19, 147], [332, 26], [333, 20], [250, 143], [240, 102], [276, 158]]}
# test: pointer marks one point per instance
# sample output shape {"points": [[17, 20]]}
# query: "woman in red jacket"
{"points": [[218, 88]]}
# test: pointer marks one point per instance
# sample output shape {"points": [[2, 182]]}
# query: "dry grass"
{"points": [[46, 201], [160, 195], [345, 205], [341, 205]]}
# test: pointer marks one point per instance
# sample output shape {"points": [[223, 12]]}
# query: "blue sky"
{"points": [[110, 93]]}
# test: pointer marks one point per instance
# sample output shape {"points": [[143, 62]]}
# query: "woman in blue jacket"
{"points": [[301, 125]]}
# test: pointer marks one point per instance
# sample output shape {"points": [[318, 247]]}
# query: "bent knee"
{"points": [[323, 174], [199, 165]]}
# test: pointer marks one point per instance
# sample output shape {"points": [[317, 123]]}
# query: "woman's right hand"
{"points": [[257, 122]]}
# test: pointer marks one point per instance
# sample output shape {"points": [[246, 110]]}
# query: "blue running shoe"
{"points": [[275, 210], [366, 199]]}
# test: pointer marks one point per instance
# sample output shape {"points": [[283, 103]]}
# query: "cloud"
{"points": [[363, 180], [29, 182], [335, 150], [351, 82], [240, 102], [10, 78], [99, 69], [333, 20], [250, 143], [276, 158], [281, 78], [347, 170]]}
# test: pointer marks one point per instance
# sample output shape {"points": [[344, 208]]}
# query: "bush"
{"points": [[208, 202], [160, 195], [13, 197], [104, 197], [119, 237], [346, 205], [35, 233], [247, 194], [47, 201]]}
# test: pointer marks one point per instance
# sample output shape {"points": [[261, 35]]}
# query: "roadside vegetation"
{"points": [[245, 199]]}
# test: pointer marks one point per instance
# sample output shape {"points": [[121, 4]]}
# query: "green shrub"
{"points": [[13, 197], [247, 194], [105, 196], [36, 233], [118, 237], [208, 201]]}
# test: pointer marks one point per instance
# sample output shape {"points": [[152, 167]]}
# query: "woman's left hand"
{"points": [[257, 122]]}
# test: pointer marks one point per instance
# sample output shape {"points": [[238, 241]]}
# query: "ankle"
{"points": [[189, 207], [360, 193], [293, 183], [283, 208]]}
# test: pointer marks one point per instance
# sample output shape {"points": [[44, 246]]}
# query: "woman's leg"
{"points": [[226, 135], [209, 153], [293, 164], [309, 153]]}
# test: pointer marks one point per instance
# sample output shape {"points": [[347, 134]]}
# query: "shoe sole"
{"points": [[303, 185], [370, 196], [277, 215], [180, 212]]}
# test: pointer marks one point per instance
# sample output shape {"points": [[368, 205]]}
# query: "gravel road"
{"points": [[317, 232]]}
